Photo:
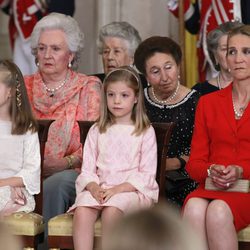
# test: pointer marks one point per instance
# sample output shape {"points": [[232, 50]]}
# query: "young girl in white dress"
{"points": [[19, 144], [119, 159]]}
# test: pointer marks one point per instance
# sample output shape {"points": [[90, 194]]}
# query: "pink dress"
{"points": [[115, 157]]}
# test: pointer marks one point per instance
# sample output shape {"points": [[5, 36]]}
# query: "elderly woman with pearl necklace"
{"points": [[167, 100], [56, 91]]}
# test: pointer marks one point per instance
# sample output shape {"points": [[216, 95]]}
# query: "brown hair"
{"points": [[156, 44], [156, 228], [139, 117], [242, 30], [20, 110]]}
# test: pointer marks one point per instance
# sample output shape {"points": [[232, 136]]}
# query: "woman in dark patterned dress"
{"points": [[166, 100]]}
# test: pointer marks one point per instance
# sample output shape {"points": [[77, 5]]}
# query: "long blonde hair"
{"points": [[20, 110], [139, 116]]}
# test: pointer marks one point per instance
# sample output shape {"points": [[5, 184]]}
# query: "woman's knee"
{"points": [[219, 212], [195, 208]]}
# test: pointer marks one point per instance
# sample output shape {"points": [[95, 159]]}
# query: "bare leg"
{"points": [[109, 217], [195, 214], [83, 227], [220, 227]]}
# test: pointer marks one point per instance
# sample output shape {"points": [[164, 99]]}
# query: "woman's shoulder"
{"points": [[189, 96], [86, 79], [205, 87], [213, 98], [29, 80]]}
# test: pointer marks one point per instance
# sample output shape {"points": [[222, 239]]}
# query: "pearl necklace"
{"points": [[52, 91], [238, 114], [170, 98]]}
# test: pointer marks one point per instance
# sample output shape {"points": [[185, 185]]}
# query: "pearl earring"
{"points": [[69, 65], [37, 64]]}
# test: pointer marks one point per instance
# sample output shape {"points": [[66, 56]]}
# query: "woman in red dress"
{"points": [[220, 148]]}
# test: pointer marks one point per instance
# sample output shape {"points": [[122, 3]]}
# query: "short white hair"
{"points": [[73, 33]]}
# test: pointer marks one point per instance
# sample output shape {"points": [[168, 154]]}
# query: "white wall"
{"points": [[150, 17]]}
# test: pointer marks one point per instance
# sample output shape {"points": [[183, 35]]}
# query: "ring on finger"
{"points": [[228, 184]]}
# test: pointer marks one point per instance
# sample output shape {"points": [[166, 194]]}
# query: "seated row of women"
{"points": [[56, 91]]}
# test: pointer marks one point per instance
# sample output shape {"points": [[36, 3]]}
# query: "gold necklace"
{"points": [[170, 98]]}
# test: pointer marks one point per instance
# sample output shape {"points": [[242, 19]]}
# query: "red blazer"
{"points": [[218, 137]]}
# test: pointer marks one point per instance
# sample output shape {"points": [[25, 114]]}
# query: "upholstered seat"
{"points": [[244, 238], [60, 227], [22, 223]]}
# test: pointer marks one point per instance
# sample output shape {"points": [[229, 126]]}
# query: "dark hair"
{"points": [[153, 45], [20, 111], [215, 35]]}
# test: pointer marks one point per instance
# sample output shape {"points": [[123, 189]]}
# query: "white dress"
{"points": [[20, 157]]}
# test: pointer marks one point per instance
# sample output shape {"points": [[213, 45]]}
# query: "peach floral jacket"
{"points": [[78, 99]]}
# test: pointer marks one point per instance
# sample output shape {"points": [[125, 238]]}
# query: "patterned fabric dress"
{"points": [[115, 157], [182, 113], [79, 99]]}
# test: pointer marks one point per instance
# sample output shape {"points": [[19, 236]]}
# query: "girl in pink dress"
{"points": [[119, 159], [19, 144]]}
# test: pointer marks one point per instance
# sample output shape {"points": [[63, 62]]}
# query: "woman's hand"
{"points": [[174, 163], [52, 165], [96, 191], [224, 177]]}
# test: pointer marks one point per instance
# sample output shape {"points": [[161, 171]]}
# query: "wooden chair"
{"points": [[30, 226], [60, 227]]}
